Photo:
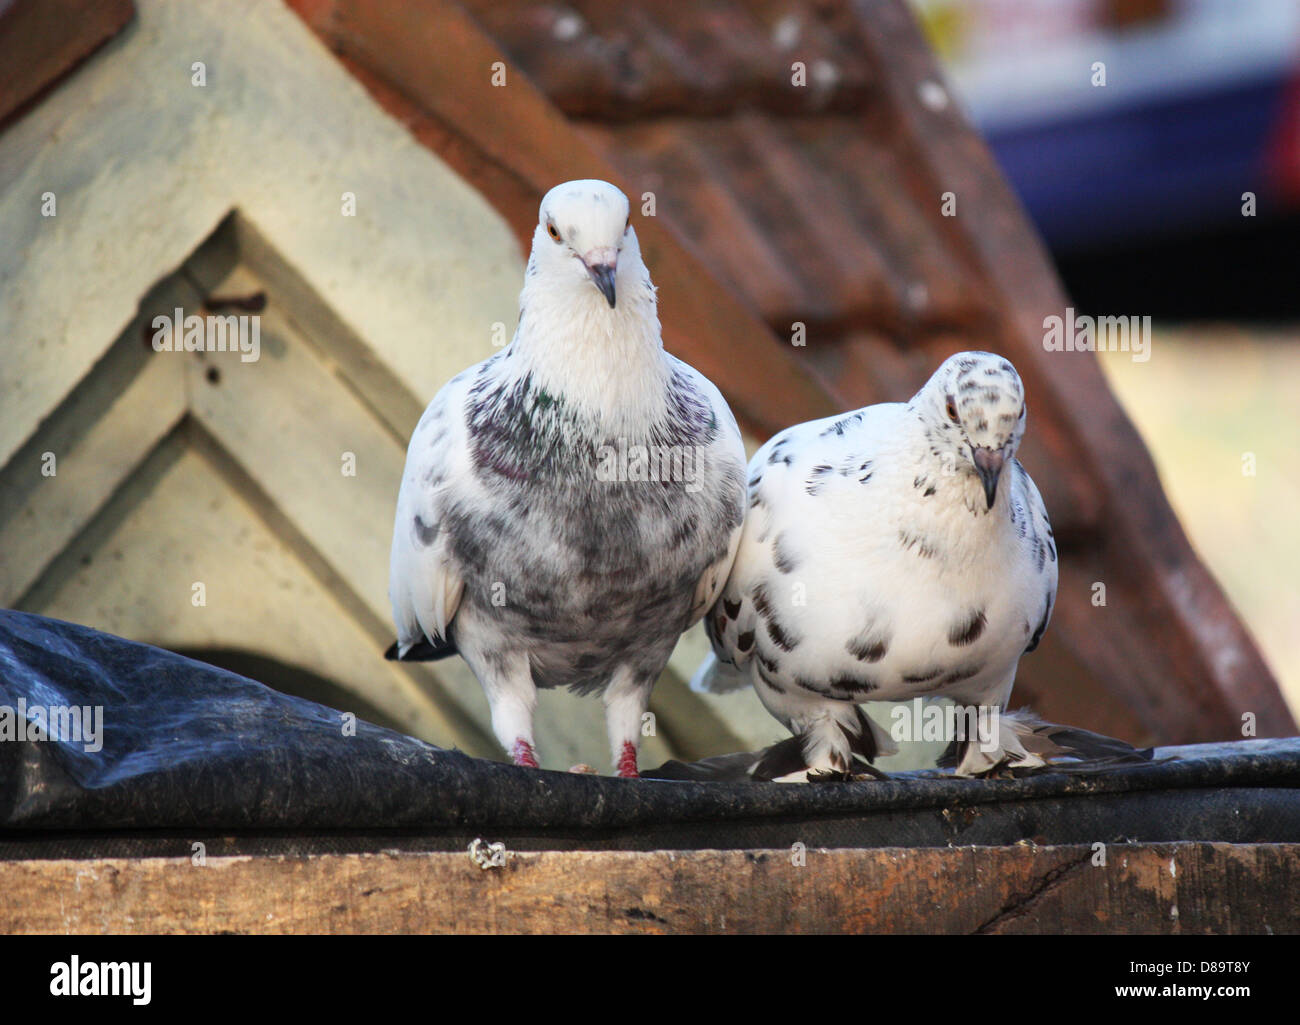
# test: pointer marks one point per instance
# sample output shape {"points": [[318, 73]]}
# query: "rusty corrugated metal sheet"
{"points": [[41, 41], [822, 204]]}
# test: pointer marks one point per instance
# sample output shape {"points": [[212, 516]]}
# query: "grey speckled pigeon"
{"points": [[895, 552], [572, 504]]}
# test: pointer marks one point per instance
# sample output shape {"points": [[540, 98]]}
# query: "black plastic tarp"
{"points": [[186, 749]]}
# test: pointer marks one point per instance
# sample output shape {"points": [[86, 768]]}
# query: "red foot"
{"points": [[523, 755], [627, 762]]}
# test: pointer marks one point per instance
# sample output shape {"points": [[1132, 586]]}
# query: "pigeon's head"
{"points": [[977, 403], [583, 228]]}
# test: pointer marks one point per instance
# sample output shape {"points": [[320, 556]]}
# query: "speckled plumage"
{"points": [[514, 539], [876, 564]]}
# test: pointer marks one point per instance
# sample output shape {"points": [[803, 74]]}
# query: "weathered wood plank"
{"points": [[1156, 888]]}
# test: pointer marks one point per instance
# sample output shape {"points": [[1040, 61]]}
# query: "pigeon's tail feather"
{"points": [[422, 650], [781, 759], [865, 739], [837, 745], [849, 732], [1033, 743], [784, 758], [731, 768], [1049, 740], [717, 677], [834, 743]]}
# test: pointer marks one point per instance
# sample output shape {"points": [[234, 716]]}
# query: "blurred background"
{"points": [[1138, 187]]}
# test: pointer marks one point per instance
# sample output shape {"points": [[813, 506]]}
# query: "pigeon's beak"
{"points": [[602, 265], [988, 464]]}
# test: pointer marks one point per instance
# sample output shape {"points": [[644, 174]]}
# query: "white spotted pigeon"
{"points": [[895, 552]]}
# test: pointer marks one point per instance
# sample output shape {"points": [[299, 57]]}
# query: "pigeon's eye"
{"points": [[553, 231], [952, 410]]}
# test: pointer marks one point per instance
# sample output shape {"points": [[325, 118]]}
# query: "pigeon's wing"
{"points": [[724, 462], [1041, 547], [783, 474], [424, 583], [710, 584], [732, 620]]}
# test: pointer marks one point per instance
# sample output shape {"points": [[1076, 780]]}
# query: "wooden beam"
{"points": [[1141, 888]]}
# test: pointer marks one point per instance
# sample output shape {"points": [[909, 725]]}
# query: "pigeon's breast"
{"points": [[587, 572], [585, 547], [902, 617]]}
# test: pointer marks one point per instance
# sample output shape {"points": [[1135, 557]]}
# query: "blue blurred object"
{"points": [[1123, 121], [1168, 167]]}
